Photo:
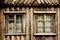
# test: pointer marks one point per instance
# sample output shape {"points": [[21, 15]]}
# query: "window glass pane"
{"points": [[48, 18], [9, 30], [40, 29], [10, 26], [40, 24], [18, 17], [40, 17], [18, 23], [18, 30], [11, 23], [11, 17], [48, 29], [48, 24]]}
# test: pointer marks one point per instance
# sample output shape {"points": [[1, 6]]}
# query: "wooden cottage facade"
{"points": [[30, 20]]}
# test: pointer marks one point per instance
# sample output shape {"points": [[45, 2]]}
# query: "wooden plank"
{"points": [[18, 8], [24, 23], [42, 1], [23, 9], [43, 37], [50, 1], [18, 37], [24, 20], [22, 38], [8, 37], [35, 24], [12, 37], [32, 1], [2, 24], [34, 38], [47, 38], [5, 1], [25, 1], [45, 12], [46, 1], [7, 9], [39, 1], [52, 8], [21, 1], [29, 2], [27, 24], [31, 20], [56, 23], [58, 14], [12, 8], [51, 38], [4, 38]]}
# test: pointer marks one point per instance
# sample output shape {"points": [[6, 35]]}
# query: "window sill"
{"points": [[7, 34], [7, 12], [51, 34]]}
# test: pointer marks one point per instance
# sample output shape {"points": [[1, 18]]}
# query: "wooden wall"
{"points": [[30, 24]]}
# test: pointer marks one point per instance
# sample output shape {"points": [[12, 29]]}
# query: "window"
{"points": [[14, 23], [45, 23]]}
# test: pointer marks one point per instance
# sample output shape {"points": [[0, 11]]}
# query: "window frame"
{"points": [[44, 12], [22, 13]]}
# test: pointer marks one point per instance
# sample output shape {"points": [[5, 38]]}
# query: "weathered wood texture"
{"points": [[29, 26], [0, 24], [32, 2]]}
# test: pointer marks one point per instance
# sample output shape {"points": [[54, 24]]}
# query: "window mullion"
{"points": [[14, 28], [44, 22]]}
